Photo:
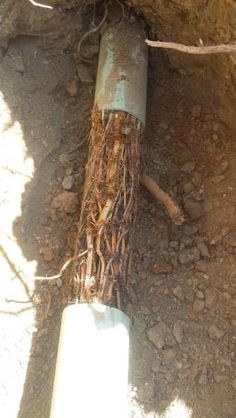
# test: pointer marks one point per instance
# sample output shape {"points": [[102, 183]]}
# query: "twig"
{"points": [[196, 50], [45, 6], [172, 208]]}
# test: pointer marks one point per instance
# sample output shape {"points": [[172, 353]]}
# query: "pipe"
{"points": [[122, 70], [92, 363]]}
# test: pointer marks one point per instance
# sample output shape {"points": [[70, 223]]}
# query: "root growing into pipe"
{"points": [[108, 211]]}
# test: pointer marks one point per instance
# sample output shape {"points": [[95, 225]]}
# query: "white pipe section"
{"points": [[92, 364]]}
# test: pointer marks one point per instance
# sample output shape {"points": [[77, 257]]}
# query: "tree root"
{"points": [[171, 207], [195, 50]]}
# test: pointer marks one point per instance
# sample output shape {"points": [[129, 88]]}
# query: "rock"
{"points": [[189, 255], [157, 334], [198, 305], [202, 379], [196, 111], [215, 333], [223, 167], [85, 73], [203, 249], [187, 188], [145, 392], [66, 201], [156, 363], [59, 282], [190, 230], [179, 293], [194, 209], [210, 297], [72, 88], [231, 239], [196, 179], [201, 265], [169, 356], [161, 267], [217, 179], [219, 377], [234, 384], [68, 183], [188, 167], [47, 254], [199, 294], [178, 332]]}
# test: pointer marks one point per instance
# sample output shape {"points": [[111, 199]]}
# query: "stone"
{"points": [[72, 88], [169, 356], [198, 305], [59, 282], [189, 255], [188, 167], [178, 332], [66, 201], [47, 254], [179, 293], [203, 249], [190, 230], [196, 179], [85, 73], [217, 179], [161, 267], [145, 392], [201, 265], [231, 239], [210, 297], [187, 188], [215, 333], [196, 111], [202, 379], [68, 183], [194, 209], [223, 167], [157, 334]]}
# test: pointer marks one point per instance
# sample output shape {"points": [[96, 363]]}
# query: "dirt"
{"points": [[182, 296]]}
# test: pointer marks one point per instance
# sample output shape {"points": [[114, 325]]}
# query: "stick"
{"points": [[172, 208], [195, 50]]}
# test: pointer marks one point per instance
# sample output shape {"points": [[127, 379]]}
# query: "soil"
{"points": [[182, 296]]}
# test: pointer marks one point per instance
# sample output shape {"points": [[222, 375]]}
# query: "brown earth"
{"points": [[182, 298]]}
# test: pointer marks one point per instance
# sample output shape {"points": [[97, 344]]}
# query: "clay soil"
{"points": [[182, 295]]}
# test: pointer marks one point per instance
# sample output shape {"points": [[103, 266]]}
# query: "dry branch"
{"points": [[195, 50], [172, 208]]}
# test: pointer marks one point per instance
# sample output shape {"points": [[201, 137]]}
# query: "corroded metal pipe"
{"points": [[122, 70]]}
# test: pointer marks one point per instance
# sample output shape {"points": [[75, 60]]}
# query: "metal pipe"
{"points": [[122, 70], [92, 363]]}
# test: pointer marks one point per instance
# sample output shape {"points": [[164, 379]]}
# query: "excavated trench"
{"points": [[181, 292]]}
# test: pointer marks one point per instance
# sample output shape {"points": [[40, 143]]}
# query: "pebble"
{"points": [[47, 254], [178, 332], [68, 183], [203, 249], [71, 88], [231, 239], [169, 355], [188, 167], [179, 293], [157, 334], [194, 209], [196, 179], [217, 179], [196, 111], [210, 297], [66, 201], [190, 230], [198, 305], [187, 188], [59, 282], [161, 267], [201, 265], [189, 255], [223, 167], [215, 333]]}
